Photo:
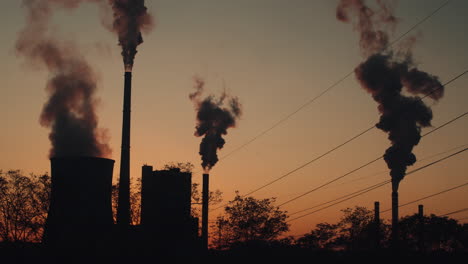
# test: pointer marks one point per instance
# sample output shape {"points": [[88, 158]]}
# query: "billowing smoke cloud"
{"points": [[130, 18], [214, 117], [383, 74], [70, 109]]}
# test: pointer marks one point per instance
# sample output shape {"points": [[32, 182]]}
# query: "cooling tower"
{"points": [[80, 212]]}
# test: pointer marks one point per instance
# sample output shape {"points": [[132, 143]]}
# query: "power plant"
{"points": [[80, 212]]}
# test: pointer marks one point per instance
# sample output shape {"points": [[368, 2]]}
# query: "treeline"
{"points": [[251, 223], [247, 223]]}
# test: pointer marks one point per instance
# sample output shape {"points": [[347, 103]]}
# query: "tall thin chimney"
{"points": [[421, 228], [123, 208], [205, 198], [395, 235], [377, 224]]}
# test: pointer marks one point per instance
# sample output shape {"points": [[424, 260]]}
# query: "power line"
{"points": [[330, 182], [367, 164], [429, 196], [311, 161], [419, 161], [310, 101], [372, 186], [348, 173], [367, 189], [420, 22], [455, 212], [344, 200], [343, 197]]}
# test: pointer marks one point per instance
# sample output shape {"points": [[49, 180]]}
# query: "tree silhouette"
{"points": [[214, 198], [436, 232], [247, 219], [355, 228], [322, 237], [354, 231], [182, 166], [135, 201], [24, 203]]}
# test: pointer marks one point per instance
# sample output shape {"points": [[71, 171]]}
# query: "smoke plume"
{"points": [[70, 108], [383, 74], [130, 18], [214, 117], [371, 25]]}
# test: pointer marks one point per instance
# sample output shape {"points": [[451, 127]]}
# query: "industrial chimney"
{"points": [[80, 211], [395, 231], [376, 225], [205, 194], [123, 208]]}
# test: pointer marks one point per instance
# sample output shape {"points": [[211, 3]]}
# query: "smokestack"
{"points": [[377, 224], [205, 193], [421, 228], [395, 214], [384, 74], [123, 208], [214, 117], [80, 211]]}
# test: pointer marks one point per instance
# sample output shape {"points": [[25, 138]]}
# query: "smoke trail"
{"points": [[130, 18], [371, 24], [384, 74], [213, 120], [70, 109]]}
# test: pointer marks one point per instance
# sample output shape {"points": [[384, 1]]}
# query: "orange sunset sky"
{"points": [[275, 55]]}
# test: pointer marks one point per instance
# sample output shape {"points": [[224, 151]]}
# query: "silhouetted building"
{"points": [[166, 219], [80, 212]]}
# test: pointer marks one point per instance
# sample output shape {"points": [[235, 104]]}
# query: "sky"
{"points": [[275, 56]]}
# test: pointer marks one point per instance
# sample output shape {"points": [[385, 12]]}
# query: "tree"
{"points": [[24, 203], [135, 201], [437, 233], [214, 198], [247, 219], [356, 228], [322, 237], [182, 166]]}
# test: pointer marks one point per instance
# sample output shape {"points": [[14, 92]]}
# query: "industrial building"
{"points": [[80, 213], [166, 220]]}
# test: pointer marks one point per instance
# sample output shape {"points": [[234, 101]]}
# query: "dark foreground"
{"points": [[37, 253]]}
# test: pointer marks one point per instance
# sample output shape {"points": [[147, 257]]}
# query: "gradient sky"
{"points": [[274, 55]]}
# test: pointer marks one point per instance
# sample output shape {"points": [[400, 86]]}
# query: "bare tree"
{"points": [[135, 202], [24, 203], [214, 198]]}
